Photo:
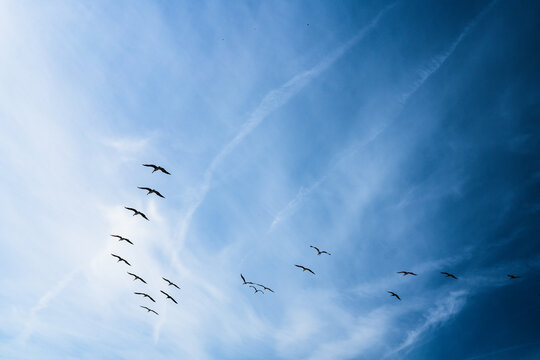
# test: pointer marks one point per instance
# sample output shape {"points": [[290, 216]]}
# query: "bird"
{"points": [[156, 168], [135, 277], [150, 191], [145, 295], [136, 212], [394, 294], [120, 238], [256, 290], [171, 283], [305, 268], [265, 288], [512, 276], [120, 259], [149, 310], [319, 252], [243, 279], [169, 296], [406, 273], [448, 275]]}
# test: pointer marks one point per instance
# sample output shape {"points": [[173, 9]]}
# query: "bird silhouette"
{"points": [[156, 168], [256, 290], [120, 238], [145, 295], [448, 275], [406, 273], [394, 294], [243, 279], [136, 212], [304, 269], [135, 277], [150, 191], [171, 283], [265, 288], [120, 259], [319, 252], [149, 310], [512, 276], [168, 296]]}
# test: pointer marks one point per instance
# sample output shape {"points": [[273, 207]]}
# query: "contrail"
{"points": [[424, 74], [272, 101]]}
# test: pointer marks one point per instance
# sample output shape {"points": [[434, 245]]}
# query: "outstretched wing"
{"points": [[144, 216], [158, 194], [164, 171], [316, 248], [310, 271], [243, 279], [150, 165]]}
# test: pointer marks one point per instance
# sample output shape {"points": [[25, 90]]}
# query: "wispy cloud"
{"points": [[272, 101]]}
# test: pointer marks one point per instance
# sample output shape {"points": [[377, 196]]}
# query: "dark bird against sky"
{"points": [[256, 290], [136, 212], [319, 252], [149, 310], [394, 294], [169, 296], [448, 275], [305, 268], [136, 277], [120, 259], [150, 191], [406, 273], [265, 288], [120, 238], [156, 168], [171, 283], [145, 295], [512, 276]]}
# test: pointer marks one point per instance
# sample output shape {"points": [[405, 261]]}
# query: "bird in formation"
{"points": [[406, 273], [171, 283], [512, 276], [120, 238], [120, 259], [136, 212], [149, 310], [150, 191], [135, 277], [145, 295], [304, 269], [246, 282], [448, 275], [256, 290], [265, 288], [394, 294], [168, 296], [156, 168], [319, 252]]}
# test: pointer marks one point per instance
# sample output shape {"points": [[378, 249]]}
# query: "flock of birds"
{"points": [[257, 288], [121, 238]]}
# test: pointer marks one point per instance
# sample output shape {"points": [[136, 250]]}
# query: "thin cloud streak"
{"points": [[424, 74], [272, 101]]}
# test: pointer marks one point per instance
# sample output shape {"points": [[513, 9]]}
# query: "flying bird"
{"points": [[319, 252], [136, 212], [135, 277], [243, 279], [171, 283], [120, 259], [149, 310], [304, 269], [256, 290], [512, 276], [150, 191], [169, 296], [145, 295], [406, 273], [156, 168], [265, 288], [120, 238], [394, 294], [448, 275]]}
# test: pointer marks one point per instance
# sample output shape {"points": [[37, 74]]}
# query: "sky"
{"points": [[396, 135]]}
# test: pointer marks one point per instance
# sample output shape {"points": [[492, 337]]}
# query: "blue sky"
{"points": [[396, 135]]}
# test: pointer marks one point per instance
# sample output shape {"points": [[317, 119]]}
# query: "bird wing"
{"points": [[144, 307], [164, 292], [325, 252], [132, 209], [129, 241], [126, 262], [166, 280], [144, 216], [310, 271], [300, 266], [116, 256], [151, 298], [158, 194], [316, 248], [165, 171], [176, 286], [144, 188], [133, 275], [397, 296], [243, 279], [117, 236], [150, 165], [154, 312]]}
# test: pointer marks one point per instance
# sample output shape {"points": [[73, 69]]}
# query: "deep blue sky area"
{"points": [[396, 135]]}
